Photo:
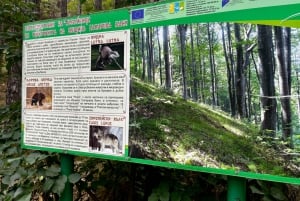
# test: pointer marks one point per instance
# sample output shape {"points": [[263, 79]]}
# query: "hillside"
{"points": [[165, 127]]}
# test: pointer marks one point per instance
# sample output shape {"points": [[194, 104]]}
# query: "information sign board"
{"points": [[76, 77]]}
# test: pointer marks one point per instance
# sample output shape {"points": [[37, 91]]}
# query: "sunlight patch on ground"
{"points": [[165, 129], [234, 130], [195, 157]]}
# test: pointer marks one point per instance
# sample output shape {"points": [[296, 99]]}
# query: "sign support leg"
{"points": [[236, 189], [67, 166]]}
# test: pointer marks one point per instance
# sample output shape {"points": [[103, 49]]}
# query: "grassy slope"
{"points": [[168, 128]]}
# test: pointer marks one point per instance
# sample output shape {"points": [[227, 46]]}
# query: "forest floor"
{"points": [[167, 128]]}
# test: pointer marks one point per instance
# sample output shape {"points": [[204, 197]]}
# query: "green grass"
{"points": [[173, 129]]}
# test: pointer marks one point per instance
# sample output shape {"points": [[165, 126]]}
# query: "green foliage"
{"points": [[24, 172], [86, 6], [49, 9], [165, 192], [267, 191], [13, 13]]}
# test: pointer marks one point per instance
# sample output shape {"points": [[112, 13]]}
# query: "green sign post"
{"points": [[236, 189], [67, 166], [74, 96]]}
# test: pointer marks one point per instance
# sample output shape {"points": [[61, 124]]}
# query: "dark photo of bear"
{"points": [[38, 98]]}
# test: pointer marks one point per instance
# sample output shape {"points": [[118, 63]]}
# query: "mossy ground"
{"points": [[165, 127]]}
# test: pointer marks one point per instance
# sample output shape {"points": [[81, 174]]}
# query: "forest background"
{"points": [[260, 87]]}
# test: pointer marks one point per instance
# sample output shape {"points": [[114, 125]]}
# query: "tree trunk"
{"points": [[37, 8], [64, 8], [298, 93], [13, 93], [182, 37], [212, 66], [248, 47], [266, 74], [167, 57], [201, 73], [134, 51], [229, 74], [143, 54], [232, 70], [195, 75], [79, 9], [149, 47], [283, 56], [159, 57], [240, 73], [98, 4]]}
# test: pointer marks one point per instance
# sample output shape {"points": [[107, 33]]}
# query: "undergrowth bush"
{"points": [[24, 173]]}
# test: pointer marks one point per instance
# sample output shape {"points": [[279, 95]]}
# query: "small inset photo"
{"points": [[39, 98], [106, 139], [108, 56]]}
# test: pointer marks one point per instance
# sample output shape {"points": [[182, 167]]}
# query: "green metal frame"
{"points": [[281, 12]]}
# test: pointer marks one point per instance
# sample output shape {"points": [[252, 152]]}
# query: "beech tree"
{"points": [[282, 40], [194, 70], [98, 4], [266, 74], [64, 8], [168, 82], [212, 65], [182, 38], [229, 67]]}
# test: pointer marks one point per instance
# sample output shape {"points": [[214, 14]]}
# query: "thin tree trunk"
{"points": [[149, 47], [13, 92], [212, 68], [182, 37], [64, 8], [79, 7], [167, 58], [143, 54], [248, 48], [282, 47], [229, 74], [200, 80], [148, 56], [298, 93], [152, 54], [159, 57], [232, 70], [98, 4], [194, 75], [134, 50]]}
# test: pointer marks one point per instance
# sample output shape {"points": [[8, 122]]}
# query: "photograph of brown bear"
{"points": [[39, 98]]}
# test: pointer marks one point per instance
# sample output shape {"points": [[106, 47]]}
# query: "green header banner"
{"points": [[279, 12]]}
